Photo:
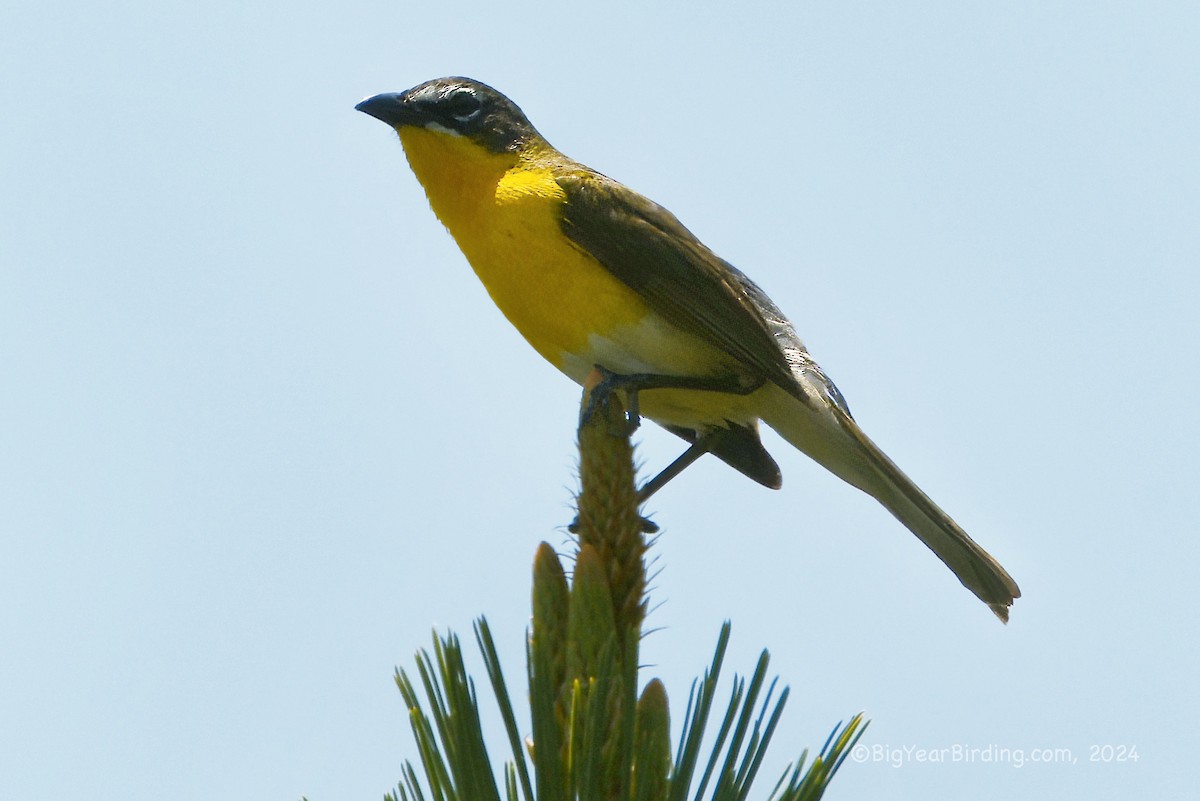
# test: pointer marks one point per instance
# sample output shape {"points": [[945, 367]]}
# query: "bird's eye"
{"points": [[461, 105]]}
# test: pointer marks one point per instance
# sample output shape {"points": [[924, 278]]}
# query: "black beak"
{"points": [[391, 108]]}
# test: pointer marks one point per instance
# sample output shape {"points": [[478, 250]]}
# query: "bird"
{"points": [[597, 277]]}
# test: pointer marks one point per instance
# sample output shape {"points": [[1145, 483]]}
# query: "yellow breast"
{"points": [[503, 211]]}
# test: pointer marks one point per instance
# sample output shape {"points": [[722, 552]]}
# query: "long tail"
{"points": [[834, 440]]}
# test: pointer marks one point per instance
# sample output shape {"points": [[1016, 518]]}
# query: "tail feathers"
{"points": [[976, 568], [835, 441]]}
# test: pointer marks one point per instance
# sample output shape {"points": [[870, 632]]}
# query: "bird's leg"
{"points": [[701, 446], [633, 383], [604, 382], [705, 443]]}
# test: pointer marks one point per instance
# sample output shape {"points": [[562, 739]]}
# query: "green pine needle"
{"points": [[491, 659]]}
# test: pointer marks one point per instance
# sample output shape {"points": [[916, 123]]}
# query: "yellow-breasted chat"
{"points": [[596, 276]]}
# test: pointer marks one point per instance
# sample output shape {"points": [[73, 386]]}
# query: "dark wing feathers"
{"points": [[648, 249]]}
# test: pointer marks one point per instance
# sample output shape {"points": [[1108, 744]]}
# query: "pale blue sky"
{"points": [[262, 427]]}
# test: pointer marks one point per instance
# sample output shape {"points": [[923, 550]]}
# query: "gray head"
{"points": [[458, 106]]}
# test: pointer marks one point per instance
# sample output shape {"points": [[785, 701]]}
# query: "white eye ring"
{"points": [[436, 126]]}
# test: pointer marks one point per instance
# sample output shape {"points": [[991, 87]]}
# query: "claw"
{"points": [[601, 383], [648, 526]]}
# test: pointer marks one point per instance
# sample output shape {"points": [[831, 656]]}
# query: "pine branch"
{"points": [[593, 737]]}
